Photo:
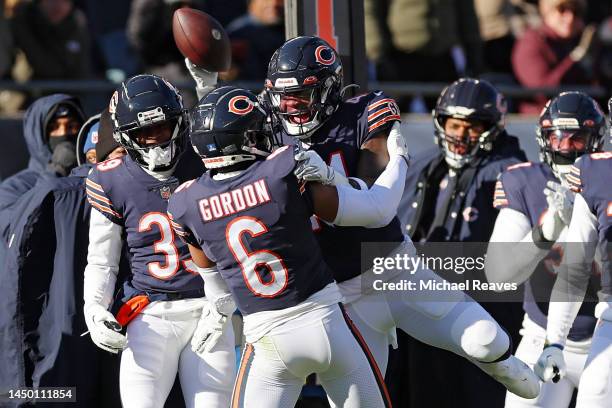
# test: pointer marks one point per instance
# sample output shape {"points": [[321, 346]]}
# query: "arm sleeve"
{"points": [[573, 279], [511, 255], [376, 206], [214, 283], [104, 252], [217, 291]]}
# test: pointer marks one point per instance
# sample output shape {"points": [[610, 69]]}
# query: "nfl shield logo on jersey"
{"points": [[165, 192]]}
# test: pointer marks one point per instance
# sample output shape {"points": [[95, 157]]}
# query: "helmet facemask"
{"points": [[303, 110], [570, 125], [149, 121], [460, 150], [158, 156], [560, 147]]}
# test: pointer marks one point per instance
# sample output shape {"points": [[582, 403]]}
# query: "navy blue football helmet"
{"points": [[139, 104], [471, 100], [569, 116], [304, 84], [228, 126]]}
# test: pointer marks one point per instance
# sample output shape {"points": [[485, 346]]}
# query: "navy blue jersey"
{"points": [[470, 216], [590, 177], [123, 192], [521, 188], [339, 143], [256, 228]]}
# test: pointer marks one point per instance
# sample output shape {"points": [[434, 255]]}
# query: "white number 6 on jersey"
{"points": [[250, 262]]}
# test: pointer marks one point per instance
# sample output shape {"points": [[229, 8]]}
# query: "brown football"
{"points": [[202, 39]]}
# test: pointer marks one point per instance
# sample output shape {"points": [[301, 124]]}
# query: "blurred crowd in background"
{"points": [[527, 43]]}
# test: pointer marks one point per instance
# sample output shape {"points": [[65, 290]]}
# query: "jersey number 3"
{"points": [[165, 245], [251, 263]]}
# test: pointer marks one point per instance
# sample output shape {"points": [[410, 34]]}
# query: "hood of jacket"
{"points": [[35, 123]]}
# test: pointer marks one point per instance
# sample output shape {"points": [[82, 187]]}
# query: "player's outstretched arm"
{"points": [[216, 314], [569, 289], [215, 285], [574, 274], [511, 255], [205, 80], [358, 205]]}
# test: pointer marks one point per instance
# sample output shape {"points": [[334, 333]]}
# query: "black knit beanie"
{"points": [[106, 143]]}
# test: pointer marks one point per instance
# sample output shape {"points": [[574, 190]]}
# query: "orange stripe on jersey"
{"points": [[500, 202], [175, 225], [94, 185], [573, 177], [104, 209], [383, 121], [378, 113], [380, 379], [98, 197], [574, 181], [377, 104], [245, 364]]}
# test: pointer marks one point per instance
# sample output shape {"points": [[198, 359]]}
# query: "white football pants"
{"points": [[445, 319], [595, 389], [551, 395], [323, 341], [160, 345]]}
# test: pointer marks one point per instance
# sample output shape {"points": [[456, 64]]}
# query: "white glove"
{"points": [[550, 365], [209, 330], [552, 225], [205, 80], [104, 329], [311, 167], [397, 143], [561, 198]]}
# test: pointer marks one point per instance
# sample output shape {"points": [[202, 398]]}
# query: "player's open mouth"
{"points": [[299, 119]]}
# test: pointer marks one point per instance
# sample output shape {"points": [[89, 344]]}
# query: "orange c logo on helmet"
{"points": [[235, 108], [321, 59]]}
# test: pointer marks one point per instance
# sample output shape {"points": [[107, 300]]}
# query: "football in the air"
{"points": [[202, 39]]}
